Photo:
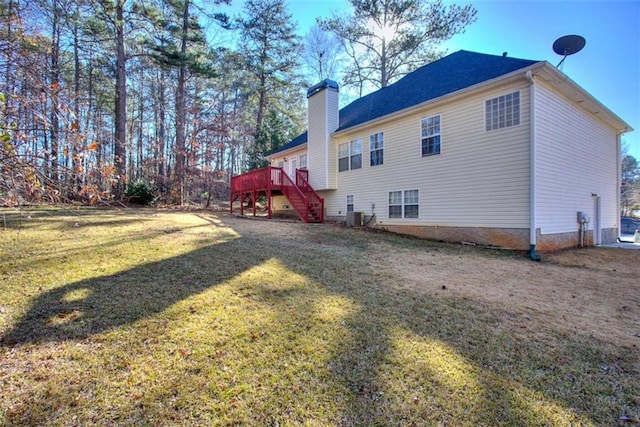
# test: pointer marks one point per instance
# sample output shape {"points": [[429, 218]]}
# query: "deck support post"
{"points": [[269, 203], [254, 200]]}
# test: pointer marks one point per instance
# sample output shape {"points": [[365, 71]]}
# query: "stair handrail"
{"points": [[303, 183], [290, 188]]}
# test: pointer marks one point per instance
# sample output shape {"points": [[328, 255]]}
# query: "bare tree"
{"points": [[386, 39], [322, 53]]}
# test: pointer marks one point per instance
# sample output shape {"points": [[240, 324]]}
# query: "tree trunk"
{"points": [[180, 147], [120, 159], [139, 156], [75, 165], [161, 132], [55, 90]]}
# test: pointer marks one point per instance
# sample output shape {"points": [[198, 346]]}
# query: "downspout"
{"points": [[532, 169], [619, 181]]}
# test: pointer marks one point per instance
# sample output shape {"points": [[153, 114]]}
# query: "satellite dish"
{"points": [[568, 45]]}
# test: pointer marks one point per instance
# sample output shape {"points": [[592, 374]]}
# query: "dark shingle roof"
{"points": [[450, 74], [298, 140]]}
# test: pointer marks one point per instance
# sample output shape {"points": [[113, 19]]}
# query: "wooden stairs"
{"points": [[273, 181]]}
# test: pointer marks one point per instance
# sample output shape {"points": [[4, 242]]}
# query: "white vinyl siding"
{"points": [[323, 120], [283, 160], [480, 180], [576, 157]]}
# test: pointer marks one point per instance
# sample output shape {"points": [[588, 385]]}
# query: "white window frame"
{"points": [[404, 199], [395, 201], [502, 111], [430, 130], [352, 153], [350, 203], [349, 151], [376, 145], [343, 154], [303, 161]]}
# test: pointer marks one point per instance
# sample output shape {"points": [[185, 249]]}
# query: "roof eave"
{"points": [[580, 96], [505, 78], [285, 152], [542, 67]]}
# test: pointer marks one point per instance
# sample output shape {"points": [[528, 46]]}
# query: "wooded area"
{"points": [[169, 98], [98, 94]]}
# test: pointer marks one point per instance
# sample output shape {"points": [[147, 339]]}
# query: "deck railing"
{"points": [[316, 203], [302, 197]]}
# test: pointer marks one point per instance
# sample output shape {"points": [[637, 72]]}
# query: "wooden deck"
{"points": [[272, 181]]}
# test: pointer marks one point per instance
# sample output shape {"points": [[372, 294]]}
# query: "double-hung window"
{"points": [[404, 204], [350, 203], [350, 155], [376, 149], [303, 161], [356, 153], [502, 111], [343, 157], [430, 135]]}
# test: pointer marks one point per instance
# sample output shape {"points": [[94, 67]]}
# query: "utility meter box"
{"points": [[582, 217]]}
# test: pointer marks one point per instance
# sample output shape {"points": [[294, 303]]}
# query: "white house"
{"points": [[472, 147]]}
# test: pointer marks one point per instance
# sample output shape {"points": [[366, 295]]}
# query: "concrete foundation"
{"points": [[508, 238]]}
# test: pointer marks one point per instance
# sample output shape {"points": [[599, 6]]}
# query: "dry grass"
{"points": [[163, 317]]}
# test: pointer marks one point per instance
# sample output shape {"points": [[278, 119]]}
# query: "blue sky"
{"points": [[608, 67]]}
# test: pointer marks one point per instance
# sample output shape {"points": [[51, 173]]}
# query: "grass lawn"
{"points": [[162, 317]]}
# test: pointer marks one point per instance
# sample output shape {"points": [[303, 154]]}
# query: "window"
{"points": [[502, 112], [411, 204], [395, 204], [303, 161], [356, 154], [430, 136], [349, 203], [350, 155], [376, 149], [343, 157], [404, 204], [281, 164]]}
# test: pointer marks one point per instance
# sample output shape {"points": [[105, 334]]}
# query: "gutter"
{"points": [[533, 223]]}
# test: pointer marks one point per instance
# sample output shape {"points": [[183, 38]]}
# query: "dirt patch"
{"points": [[593, 292]]}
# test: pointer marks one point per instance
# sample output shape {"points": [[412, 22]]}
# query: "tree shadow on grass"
{"points": [[415, 358], [88, 307], [402, 357]]}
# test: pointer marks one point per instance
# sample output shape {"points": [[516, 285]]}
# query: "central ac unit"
{"points": [[355, 219]]}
